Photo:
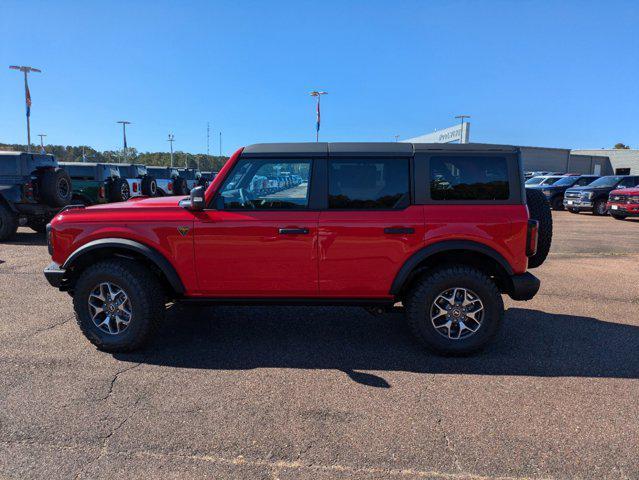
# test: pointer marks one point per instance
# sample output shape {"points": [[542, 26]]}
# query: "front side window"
{"points": [[368, 184], [267, 185], [628, 182], [469, 178]]}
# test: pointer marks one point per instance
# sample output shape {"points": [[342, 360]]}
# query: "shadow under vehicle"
{"points": [[95, 183], [33, 188]]}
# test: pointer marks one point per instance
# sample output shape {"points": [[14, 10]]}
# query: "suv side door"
{"points": [[369, 226], [258, 242]]}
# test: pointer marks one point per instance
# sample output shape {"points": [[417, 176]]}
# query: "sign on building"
{"points": [[445, 135]]}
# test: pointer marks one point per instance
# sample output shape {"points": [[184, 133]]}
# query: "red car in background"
{"points": [[624, 203]]}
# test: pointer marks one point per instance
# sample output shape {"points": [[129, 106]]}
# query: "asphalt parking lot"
{"points": [[322, 393]]}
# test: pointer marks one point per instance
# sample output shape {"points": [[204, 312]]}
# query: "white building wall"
{"points": [[618, 158]]}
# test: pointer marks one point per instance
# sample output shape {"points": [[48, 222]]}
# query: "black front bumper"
{"points": [[55, 275], [523, 287]]}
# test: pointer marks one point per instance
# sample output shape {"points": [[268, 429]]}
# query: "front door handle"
{"points": [[293, 231], [399, 230]]}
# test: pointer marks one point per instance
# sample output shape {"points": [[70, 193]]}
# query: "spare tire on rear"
{"points": [[149, 186], [55, 187], [539, 210], [120, 190], [180, 187]]}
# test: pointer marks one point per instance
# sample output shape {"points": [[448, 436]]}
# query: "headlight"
{"points": [[633, 199], [588, 195]]}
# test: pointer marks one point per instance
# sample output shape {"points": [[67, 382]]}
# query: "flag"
{"points": [[28, 99], [318, 115]]}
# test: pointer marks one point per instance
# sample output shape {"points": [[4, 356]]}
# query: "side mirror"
{"points": [[195, 202]]}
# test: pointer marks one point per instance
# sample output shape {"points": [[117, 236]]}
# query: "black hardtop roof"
{"points": [[367, 148]]}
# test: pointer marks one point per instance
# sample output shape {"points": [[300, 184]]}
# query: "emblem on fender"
{"points": [[183, 230]]}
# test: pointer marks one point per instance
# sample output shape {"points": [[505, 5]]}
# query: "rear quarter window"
{"points": [[468, 178]]}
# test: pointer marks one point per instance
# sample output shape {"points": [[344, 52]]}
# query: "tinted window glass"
{"points": [[468, 178], [535, 180], [566, 181], [605, 182], [582, 182], [368, 184], [267, 185], [628, 182], [550, 180]]}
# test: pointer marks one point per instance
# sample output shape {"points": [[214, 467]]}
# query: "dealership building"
{"points": [[597, 162]]}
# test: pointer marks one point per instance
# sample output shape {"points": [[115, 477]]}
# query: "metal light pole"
{"points": [[396, 138], [462, 117], [42, 135], [171, 140], [318, 95], [220, 144], [27, 97], [124, 124]]}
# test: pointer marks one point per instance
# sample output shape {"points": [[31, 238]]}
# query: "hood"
{"points": [[138, 203], [626, 191]]}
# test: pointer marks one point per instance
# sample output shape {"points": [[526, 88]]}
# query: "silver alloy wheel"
{"points": [[110, 308], [457, 313], [64, 189]]}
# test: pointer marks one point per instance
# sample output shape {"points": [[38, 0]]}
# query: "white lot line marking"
{"points": [[297, 465]]}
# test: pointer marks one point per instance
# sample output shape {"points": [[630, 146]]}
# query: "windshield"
{"points": [[534, 181], [550, 180], [566, 181], [606, 181]]}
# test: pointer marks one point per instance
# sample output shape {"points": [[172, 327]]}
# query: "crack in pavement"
{"points": [[116, 375]]}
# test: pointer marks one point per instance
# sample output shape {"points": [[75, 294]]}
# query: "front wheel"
{"points": [[618, 217], [599, 208], [557, 203], [118, 305], [454, 310]]}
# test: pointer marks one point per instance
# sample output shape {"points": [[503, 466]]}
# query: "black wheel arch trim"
{"points": [[411, 264], [123, 243]]}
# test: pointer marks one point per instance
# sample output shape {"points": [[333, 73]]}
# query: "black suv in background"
{"points": [[33, 188], [554, 187], [593, 197]]}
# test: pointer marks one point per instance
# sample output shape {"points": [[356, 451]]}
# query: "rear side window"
{"points": [[368, 184], [468, 178]]}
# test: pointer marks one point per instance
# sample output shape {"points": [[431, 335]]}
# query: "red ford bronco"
{"points": [[443, 229]]}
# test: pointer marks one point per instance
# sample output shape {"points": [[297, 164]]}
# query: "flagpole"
{"points": [[27, 98], [318, 94]]}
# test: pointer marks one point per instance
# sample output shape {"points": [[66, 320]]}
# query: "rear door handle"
{"points": [[293, 231], [399, 230]]}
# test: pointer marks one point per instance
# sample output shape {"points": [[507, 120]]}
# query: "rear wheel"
{"points": [[118, 305], [8, 222], [540, 210], [455, 310], [599, 208]]}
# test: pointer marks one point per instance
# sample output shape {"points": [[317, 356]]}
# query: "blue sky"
{"points": [[553, 73]]}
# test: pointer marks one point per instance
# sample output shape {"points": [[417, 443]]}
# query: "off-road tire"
{"points": [[599, 208], [8, 222], [420, 298], [149, 186], [557, 203], [120, 190], [180, 186], [38, 225], [55, 187], [618, 217], [540, 210], [144, 292]]}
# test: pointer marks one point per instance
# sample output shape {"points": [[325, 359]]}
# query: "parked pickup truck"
{"points": [[32, 189], [623, 203], [554, 187], [594, 197], [95, 183], [363, 224]]}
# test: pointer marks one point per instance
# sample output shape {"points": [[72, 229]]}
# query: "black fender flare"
{"points": [[131, 245], [409, 266]]}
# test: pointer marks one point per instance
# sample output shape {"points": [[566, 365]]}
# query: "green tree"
{"points": [[621, 146]]}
